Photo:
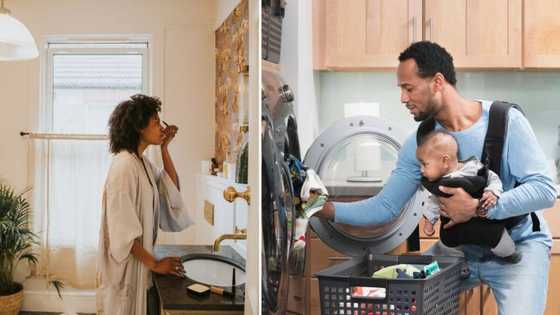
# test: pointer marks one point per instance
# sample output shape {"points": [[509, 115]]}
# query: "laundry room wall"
{"points": [[536, 91]]}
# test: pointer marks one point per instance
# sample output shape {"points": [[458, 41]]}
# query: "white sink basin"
{"points": [[213, 270]]}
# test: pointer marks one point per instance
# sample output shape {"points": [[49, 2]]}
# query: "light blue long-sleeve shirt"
{"points": [[523, 161]]}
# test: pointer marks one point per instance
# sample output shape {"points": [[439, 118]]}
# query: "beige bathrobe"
{"points": [[134, 205]]}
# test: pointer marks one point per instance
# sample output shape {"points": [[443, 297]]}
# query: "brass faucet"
{"points": [[239, 234], [231, 193]]}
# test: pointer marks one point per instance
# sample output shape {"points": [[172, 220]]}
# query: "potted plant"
{"points": [[16, 244]]}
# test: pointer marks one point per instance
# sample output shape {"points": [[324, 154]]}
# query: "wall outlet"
{"points": [[209, 212]]}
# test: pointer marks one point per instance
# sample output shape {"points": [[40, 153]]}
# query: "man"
{"points": [[426, 76]]}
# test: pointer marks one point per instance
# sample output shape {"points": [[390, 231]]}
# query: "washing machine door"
{"points": [[354, 158], [278, 214]]}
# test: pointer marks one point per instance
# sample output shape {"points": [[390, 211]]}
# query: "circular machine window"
{"points": [[354, 158]]}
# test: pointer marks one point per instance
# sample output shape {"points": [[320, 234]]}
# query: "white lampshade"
{"points": [[16, 42]]}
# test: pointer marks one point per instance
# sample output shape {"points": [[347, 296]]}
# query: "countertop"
{"points": [[173, 290]]}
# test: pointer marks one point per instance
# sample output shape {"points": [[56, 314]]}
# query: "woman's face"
{"points": [[153, 133]]}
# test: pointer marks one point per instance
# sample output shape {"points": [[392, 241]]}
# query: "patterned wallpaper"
{"points": [[231, 64]]}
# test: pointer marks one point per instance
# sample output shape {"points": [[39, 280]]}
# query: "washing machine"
{"points": [[354, 158], [279, 143]]}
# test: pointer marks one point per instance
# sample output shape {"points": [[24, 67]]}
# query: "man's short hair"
{"points": [[430, 58]]}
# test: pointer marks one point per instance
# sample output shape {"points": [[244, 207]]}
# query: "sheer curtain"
{"points": [[84, 88]]}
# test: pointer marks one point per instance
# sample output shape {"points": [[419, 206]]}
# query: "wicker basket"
{"points": [[11, 304]]}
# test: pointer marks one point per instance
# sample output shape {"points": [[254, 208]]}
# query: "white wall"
{"points": [[223, 10], [253, 287], [182, 53], [296, 67]]}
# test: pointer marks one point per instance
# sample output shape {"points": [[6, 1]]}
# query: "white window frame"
{"points": [[45, 118]]}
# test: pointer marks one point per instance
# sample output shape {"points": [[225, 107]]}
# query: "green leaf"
{"points": [[58, 285], [30, 257], [16, 238]]}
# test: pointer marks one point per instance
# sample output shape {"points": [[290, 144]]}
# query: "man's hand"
{"points": [[327, 212], [460, 207], [428, 227]]}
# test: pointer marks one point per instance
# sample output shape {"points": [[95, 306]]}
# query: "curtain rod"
{"points": [[63, 136]]}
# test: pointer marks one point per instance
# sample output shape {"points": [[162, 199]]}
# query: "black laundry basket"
{"points": [[435, 295]]}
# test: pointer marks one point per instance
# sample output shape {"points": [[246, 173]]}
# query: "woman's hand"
{"points": [[170, 266], [169, 133]]}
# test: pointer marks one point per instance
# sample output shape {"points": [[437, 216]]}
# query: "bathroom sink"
{"points": [[213, 270]]}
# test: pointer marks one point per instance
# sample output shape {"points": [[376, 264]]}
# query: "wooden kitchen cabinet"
{"points": [[296, 294], [363, 34], [370, 34], [477, 33], [552, 304], [541, 34]]}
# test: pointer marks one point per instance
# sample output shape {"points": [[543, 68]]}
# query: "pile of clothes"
{"points": [[312, 195], [407, 271]]}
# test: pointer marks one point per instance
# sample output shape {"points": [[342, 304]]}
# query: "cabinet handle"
{"points": [[413, 29], [230, 194], [339, 258]]}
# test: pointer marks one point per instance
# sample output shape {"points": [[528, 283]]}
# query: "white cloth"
{"points": [[312, 183], [470, 167], [299, 233], [135, 202]]}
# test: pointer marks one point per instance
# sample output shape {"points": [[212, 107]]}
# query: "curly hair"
{"points": [[128, 119], [431, 58]]}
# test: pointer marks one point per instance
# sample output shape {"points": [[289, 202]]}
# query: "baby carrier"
{"points": [[492, 159]]}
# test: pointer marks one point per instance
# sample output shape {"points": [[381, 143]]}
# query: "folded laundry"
{"points": [[401, 271], [431, 269]]}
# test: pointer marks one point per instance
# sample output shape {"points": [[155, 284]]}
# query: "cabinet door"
{"points": [[489, 306], [368, 34], [541, 34], [552, 305], [477, 33]]}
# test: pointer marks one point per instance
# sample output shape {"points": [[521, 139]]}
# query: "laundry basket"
{"points": [[342, 287]]}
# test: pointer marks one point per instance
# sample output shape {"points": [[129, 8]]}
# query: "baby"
{"points": [[438, 156]]}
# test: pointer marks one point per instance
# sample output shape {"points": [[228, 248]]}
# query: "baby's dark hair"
{"points": [[440, 140]]}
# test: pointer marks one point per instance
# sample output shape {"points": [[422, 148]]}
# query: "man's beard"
{"points": [[430, 111], [422, 116]]}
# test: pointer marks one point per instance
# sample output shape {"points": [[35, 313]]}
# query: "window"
{"points": [[83, 82]]}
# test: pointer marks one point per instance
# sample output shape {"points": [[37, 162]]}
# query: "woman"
{"points": [[137, 199]]}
